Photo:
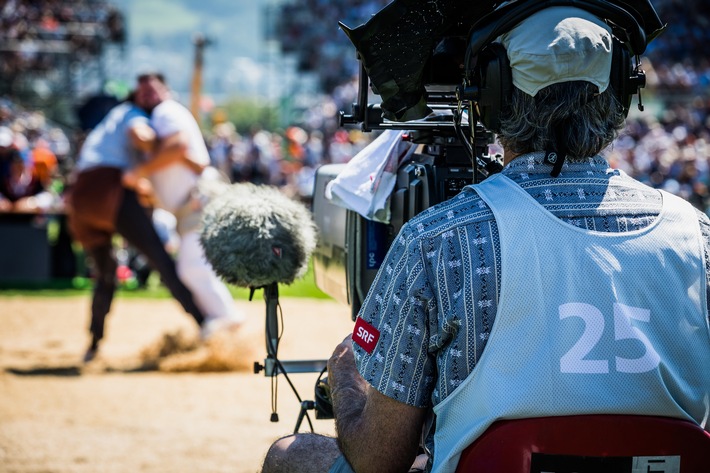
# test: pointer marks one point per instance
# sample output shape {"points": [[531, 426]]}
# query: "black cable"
{"points": [[458, 116], [274, 398], [320, 375], [282, 369], [485, 167]]}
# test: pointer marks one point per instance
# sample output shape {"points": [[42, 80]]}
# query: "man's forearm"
{"points": [[348, 404], [376, 433], [349, 398], [348, 388], [142, 137]]}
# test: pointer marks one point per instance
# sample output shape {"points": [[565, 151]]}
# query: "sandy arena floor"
{"points": [[156, 399]]}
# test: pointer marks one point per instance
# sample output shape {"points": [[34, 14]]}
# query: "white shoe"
{"points": [[218, 324]]}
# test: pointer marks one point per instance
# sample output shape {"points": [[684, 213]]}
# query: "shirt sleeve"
{"points": [[398, 305], [136, 117], [165, 120], [137, 120]]}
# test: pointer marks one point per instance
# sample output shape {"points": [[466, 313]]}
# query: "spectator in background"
{"points": [[18, 186], [22, 189], [251, 161], [7, 149], [5, 159], [45, 163], [221, 146]]}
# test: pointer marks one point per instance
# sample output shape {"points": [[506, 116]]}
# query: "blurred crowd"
{"points": [[667, 146], [309, 30], [286, 159], [35, 158], [670, 152], [679, 58], [32, 32]]}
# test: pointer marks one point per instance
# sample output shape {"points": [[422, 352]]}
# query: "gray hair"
{"points": [[591, 120]]}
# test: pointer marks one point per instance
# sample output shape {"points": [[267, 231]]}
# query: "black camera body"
{"points": [[351, 248], [467, 82]]}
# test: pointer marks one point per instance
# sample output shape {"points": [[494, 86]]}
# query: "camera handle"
{"points": [[323, 404], [475, 138]]}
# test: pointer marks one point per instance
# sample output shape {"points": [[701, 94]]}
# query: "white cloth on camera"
{"points": [[367, 181]]}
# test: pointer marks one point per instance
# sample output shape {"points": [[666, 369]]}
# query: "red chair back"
{"points": [[590, 443]]}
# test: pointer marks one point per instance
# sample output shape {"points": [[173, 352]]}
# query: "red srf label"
{"points": [[365, 335]]}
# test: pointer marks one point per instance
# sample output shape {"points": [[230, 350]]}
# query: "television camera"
{"points": [[450, 154], [464, 89]]}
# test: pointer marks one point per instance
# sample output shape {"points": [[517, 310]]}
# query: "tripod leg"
{"points": [[305, 406], [271, 297]]}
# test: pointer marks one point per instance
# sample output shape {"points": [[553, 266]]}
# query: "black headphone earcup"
{"points": [[620, 77], [493, 78]]}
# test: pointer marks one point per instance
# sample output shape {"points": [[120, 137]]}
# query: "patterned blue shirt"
{"points": [[435, 297]]}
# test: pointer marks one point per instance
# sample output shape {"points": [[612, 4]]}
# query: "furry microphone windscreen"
{"points": [[255, 235]]}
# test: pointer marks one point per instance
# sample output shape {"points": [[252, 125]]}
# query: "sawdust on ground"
{"points": [[156, 399]]}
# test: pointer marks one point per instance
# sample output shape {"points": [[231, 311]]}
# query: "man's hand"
{"points": [[129, 179], [194, 166], [375, 432], [342, 372], [171, 150]]}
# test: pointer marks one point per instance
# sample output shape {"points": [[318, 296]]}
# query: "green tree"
{"points": [[247, 113]]}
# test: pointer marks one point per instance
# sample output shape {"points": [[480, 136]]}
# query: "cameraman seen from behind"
{"points": [[182, 179], [512, 267]]}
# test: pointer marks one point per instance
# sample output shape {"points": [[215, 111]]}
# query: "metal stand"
{"points": [[272, 365]]}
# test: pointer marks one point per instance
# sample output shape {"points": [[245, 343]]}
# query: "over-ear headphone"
{"points": [[488, 84], [492, 78]]}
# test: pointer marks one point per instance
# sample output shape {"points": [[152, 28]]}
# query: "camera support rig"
{"points": [[450, 154], [448, 158], [441, 98], [273, 366]]}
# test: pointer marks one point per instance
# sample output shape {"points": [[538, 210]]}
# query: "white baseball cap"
{"points": [[559, 44]]}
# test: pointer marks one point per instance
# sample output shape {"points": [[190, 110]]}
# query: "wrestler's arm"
{"points": [[375, 432], [169, 150], [142, 137]]}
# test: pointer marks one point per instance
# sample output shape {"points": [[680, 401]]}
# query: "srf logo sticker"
{"points": [[365, 335]]}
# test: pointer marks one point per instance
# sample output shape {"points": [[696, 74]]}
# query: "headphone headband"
{"points": [[623, 24], [488, 76]]}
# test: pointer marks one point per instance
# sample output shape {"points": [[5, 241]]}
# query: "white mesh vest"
{"points": [[588, 323]]}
